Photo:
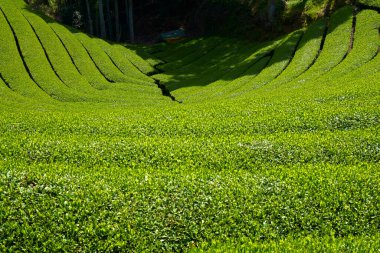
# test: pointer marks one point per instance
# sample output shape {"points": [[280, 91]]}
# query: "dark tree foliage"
{"points": [[125, 20]]}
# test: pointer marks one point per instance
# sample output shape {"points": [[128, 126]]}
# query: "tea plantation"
{"points": [[209, 145]]}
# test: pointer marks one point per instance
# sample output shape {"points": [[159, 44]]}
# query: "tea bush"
{"points": [[274, 148]]}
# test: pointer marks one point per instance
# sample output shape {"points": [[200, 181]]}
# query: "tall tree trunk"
{"points": [[271, 12], [109, 20], [90, 24], [117, 21], [101, 20], [130, 21]]}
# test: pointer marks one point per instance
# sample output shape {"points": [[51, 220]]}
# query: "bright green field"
{"points": [[274, 147]]}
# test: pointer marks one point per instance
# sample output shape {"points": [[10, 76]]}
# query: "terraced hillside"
{"points": [[213, 144], [216, 68]]}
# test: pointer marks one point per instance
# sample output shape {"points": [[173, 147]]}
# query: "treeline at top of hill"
{"points": [[145, 20]]}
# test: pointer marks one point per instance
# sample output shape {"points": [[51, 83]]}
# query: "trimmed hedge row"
{"points": [[35, 58], [336, 45], [241, 73], [60, 60], [104, 63], [306, 54], [365, 47], [280, 60], [69, 73], [9, 98], [120, 58], [88, 69], [136, 60], [80, 57], [210, 67], [174, 52], [191, 53], [12, 67]]}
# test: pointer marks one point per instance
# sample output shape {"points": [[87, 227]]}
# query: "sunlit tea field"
{"points": [[213, 144]]}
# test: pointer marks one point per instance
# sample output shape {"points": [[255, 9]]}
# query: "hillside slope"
{"points": [[42, 59], [275, 146], [331, 48]]}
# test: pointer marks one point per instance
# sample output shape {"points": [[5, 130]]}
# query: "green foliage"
{"points": [[335, 47], [104, 63], [278, 62], [306, 54], [59, 58], [307, 244], [371, 3], [122, 59], [137, 61], [12, 67], [315, 8], [365, 44], [252, 160], [34, 56]]}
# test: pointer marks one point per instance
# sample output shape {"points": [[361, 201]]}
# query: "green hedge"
{"points": [[307, 244], [80, 57], [306, 54], [190, 52], [60, 60], [89, 70], [282, 56], [173, 52], [12, 67], [241, 73], [335, 47], [35, 57], [136, 60], [120, 58], [290, 167], [104, 63], [371, 3], [366, 44]]}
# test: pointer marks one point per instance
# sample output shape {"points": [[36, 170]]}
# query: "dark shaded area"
{"points": [[255, 20], [199, 64], [166, 92], [199, 18]]}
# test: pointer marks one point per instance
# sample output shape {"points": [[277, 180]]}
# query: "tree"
{"points": [[129, 5], [101, 20], [109, 20], [90, 24], [271, 11], [117, 22]]}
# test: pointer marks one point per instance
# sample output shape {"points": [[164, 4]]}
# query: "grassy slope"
{"points": [[284, 167]]}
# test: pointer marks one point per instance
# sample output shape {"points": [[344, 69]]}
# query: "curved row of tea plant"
{"points": [[59, 59], [366, 44], [12, 67], [55, 62], [34, 56]]}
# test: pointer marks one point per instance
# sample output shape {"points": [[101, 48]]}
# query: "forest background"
{"points": [[145, 20]]}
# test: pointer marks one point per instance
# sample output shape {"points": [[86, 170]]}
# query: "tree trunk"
{"points": [[130, 21], [90, 24], [271, 12], [109, 20], [117, 21], [101, 20]]}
